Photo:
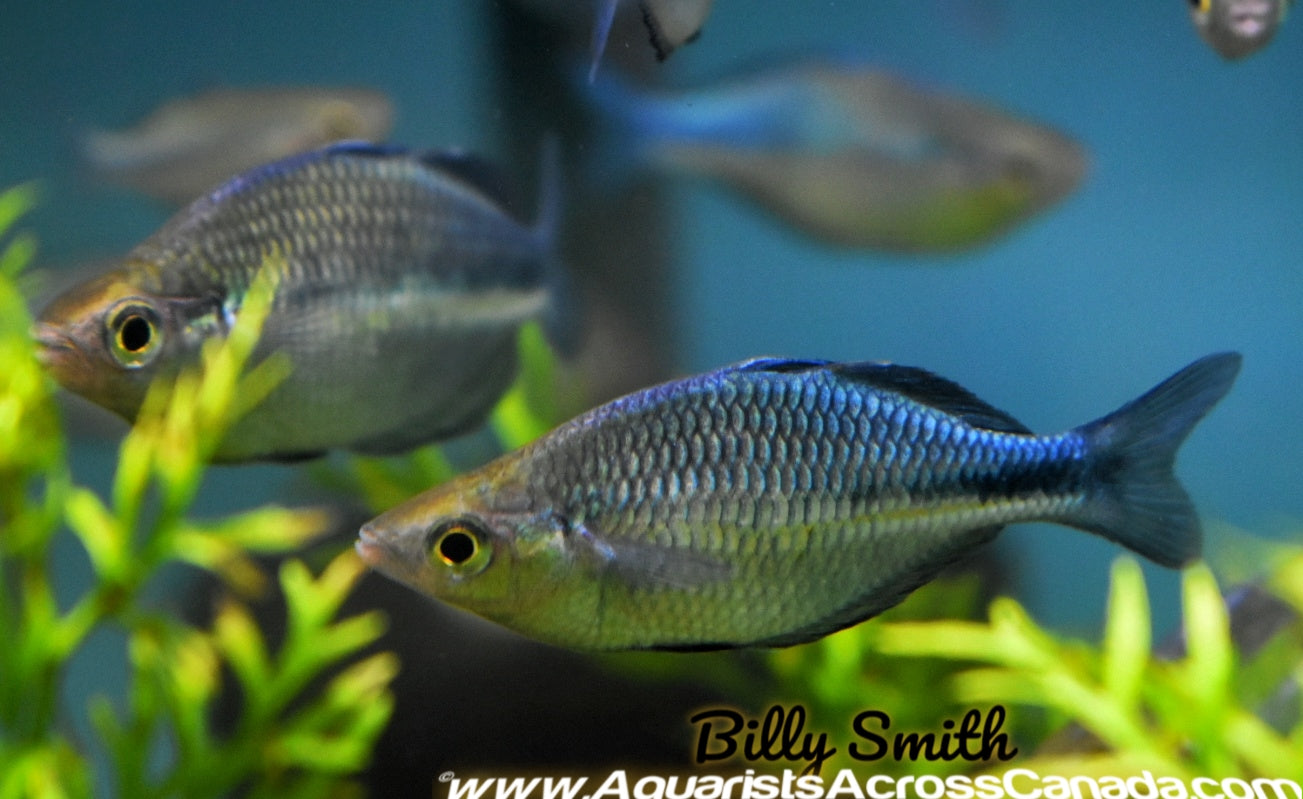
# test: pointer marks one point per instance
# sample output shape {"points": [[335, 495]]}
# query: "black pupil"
{"points": [[134, 334], [456, 547]]}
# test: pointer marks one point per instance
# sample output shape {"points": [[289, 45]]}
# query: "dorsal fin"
{"points": [[364, 149], [784, 366], [933, 390], [476, 171], [918, 384]]}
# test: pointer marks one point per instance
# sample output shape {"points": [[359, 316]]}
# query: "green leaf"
{"points": [[14, 202], [241, 644], [100, 533], [1126, 633]]}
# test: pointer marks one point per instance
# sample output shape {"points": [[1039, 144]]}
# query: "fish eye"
{"points": [[460, 544], [134, 334], [1201, 6]]}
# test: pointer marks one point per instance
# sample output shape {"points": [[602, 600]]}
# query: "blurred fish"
{"points": [[673, 23], [1236, 28], [853, 157], [403, 286], [189, 145], [670, 23], [775, 501]]}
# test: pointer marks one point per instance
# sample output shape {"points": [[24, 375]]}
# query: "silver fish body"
{"points": [[1237, 28], [402, 285], [774, 502]]}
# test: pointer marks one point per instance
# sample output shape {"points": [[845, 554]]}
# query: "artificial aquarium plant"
{"points": [[309, 712]]}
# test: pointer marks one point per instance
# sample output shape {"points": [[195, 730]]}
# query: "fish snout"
{"points": [[1251, 17], [54, 346], [371, 546]]}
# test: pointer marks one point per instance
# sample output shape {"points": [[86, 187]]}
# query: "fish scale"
{"points": [[773, 502], [402, 284]]}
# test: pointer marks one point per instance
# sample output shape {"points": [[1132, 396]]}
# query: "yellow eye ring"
{"points": [[461, 545], [134, 334]]}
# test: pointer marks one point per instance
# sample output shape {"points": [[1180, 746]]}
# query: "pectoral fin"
{"points": [[647, 565]]}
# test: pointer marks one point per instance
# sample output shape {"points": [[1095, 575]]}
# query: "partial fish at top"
{"points": [[670, 23], [189, 145], [1237, 28], [776, 501], [851, 156], [403, 283]]}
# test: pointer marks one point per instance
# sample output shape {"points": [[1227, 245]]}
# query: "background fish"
{"points": [[189, 145], [1237, 28], [670, 23], [674, 23], [851, 156], [404, 282], [669, 518]]}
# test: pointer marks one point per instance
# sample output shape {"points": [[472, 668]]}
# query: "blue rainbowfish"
{"points": [[403, 282], [851, 156], [776, 501]]}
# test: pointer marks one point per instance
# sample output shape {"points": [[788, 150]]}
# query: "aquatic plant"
{"points": [[305, 720], [1107, 708], [1179, 717]]}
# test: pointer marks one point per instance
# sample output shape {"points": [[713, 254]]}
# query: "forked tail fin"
{"points": [[1136, 499]]}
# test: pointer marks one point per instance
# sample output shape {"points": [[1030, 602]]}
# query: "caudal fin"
{"points": [[1136, 499]]}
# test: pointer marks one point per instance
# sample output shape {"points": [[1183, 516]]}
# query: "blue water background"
{"points": [[1184, 239]]}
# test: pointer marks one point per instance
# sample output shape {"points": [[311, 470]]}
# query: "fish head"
{"points": [[1037, 165], [1236, 28], [107, 339], [480, 542]]}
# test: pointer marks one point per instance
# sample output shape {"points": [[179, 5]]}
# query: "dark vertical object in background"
{"points": [[471, 698], [615, 243]]}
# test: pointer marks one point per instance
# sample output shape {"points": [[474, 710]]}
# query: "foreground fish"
{"points": [[1237, 28], [775, 501], [189, 145], [404, 283], [853, 157]]}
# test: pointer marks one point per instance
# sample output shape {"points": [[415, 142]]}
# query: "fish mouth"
{"points": [[55, 346], [1250, 19], [371, 547]]}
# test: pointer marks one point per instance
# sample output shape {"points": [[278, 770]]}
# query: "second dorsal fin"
{"points": [[933, 390], [918, 384]]}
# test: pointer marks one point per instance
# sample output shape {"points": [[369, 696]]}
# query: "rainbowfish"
{"points": [[403, 283], [851, 156], [773, 502], [1237, 28], [188, 145]]}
